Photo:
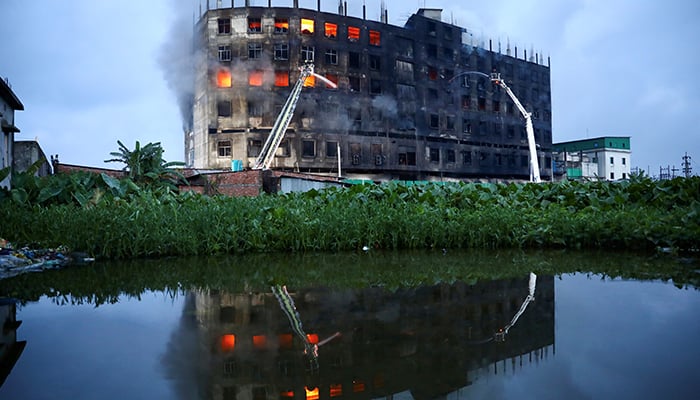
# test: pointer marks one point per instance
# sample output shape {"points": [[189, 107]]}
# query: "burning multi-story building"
{"points": [[411, 102]]}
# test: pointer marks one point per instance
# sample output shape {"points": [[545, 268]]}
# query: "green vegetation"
{"points": [[145, 165], [118, 219]]}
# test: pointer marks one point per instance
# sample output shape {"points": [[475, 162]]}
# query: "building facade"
{"points": [[411, 102], [9, 103], [601, 158], [27, 153]]}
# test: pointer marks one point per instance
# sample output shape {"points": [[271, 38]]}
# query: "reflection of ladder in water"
{"points": [[275, 138], [501, 335]]}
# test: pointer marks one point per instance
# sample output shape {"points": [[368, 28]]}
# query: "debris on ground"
{"points": [[14, 262]]}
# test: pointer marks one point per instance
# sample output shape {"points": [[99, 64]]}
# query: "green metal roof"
{"points": [[603, 142]]}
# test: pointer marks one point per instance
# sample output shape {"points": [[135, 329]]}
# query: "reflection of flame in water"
{"points": [[223, 78]]}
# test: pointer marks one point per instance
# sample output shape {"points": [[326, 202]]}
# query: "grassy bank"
{"points": [[640, 214]]}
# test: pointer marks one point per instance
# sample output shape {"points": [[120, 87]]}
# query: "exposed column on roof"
{"points": [[318, 5], [364, 11], [296, 3]]}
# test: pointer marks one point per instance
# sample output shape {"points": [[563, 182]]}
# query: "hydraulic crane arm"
{"points": [[534, 163], [273, 141]]}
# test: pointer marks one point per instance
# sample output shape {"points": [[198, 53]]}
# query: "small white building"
{"points": [[9, 103], [603, 158]]}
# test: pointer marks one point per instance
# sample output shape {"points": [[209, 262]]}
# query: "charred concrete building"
{"points": [[409, 104]]}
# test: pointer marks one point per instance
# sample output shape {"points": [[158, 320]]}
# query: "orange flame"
{"points": [[223, 78], [228, 342]]}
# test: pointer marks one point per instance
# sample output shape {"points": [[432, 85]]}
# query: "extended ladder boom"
{"points": [[273, 141], [534, 163]]}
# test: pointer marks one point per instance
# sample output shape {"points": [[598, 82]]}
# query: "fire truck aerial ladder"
{"points": [[267, 154], [534, 163]]}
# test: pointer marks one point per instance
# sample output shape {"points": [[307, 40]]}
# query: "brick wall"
{"points": [[59, 168], [242, 183]]}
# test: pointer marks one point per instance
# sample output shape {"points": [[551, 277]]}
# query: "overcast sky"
{"points": [[88, 72]]}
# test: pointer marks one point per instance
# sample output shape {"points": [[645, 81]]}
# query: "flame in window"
{"points": [[281, 25], [336, 389], [281, 78], [353, 33], [254, 25], [228, 342], [259, 341], [333, 78], [331, 30], [374, 38], [311, 394], [255, 78], [223, 78], [307, 26], [285, 340], [358, 386]]}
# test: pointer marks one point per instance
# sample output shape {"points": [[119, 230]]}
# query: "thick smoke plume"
{"points": [[176, 58]]}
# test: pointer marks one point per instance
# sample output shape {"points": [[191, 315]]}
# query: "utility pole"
{"points": [[687, 169]]}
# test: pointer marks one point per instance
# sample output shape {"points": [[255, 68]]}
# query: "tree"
{"points": [[146, 165]]}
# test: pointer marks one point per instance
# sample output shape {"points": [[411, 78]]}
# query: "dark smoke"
{"points": [[176, 58]]}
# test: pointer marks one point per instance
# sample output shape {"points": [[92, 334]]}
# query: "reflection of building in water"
{"points": [[10, 348], [430, 340]]}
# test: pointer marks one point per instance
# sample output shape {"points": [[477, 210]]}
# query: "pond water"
{"points": [[418, 325]]}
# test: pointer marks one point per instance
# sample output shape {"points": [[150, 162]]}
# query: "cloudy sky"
{"points": [[90, 73]]}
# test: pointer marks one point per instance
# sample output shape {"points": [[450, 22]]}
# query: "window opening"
{"points": [[353, 33], [466, 102], [254, 50], [254, 25], [353, 59], [375, 62], [374, 38], [332, 57], [281, 51], [224, 53], [308, 148], [281, 78], [434, 121], [223, 78], [434, 155], [466, 157], [255, 109], [307, 53], [331, 149], [224, 108], [281, 25], [330, 30], [224, 147], [307, 26], [432, 73], [254, 147], [333, 78], [255, 78], [224, 26]]}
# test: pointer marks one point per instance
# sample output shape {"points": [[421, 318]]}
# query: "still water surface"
{"points": [[159, 330]]}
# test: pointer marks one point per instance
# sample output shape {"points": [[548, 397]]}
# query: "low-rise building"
{"points": [[9, 103], [602, 158]]}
